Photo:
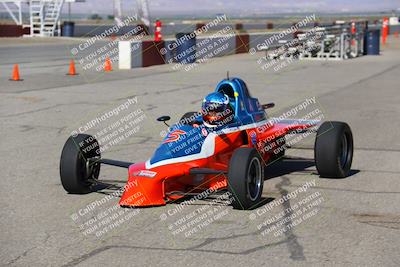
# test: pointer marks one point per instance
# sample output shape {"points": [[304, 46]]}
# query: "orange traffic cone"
{"points": [[107, 65], [385, 29], [15, 76], [72, 70]]}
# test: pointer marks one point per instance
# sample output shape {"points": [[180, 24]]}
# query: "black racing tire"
{"points": [[188, 118], [333, 151], [75, 171], [245, 178]]}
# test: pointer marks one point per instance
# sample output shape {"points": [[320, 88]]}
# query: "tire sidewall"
{"points": [[73, 173], [328, 148], [238, 178]]}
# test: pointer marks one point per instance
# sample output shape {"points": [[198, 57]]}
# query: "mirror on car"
{"points": [[164, 118], [269, 105]]}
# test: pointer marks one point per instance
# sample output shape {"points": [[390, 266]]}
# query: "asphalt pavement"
{"points": [[353, 221]]}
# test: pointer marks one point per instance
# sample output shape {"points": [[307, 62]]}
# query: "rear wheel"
{"points": [[245, 178], [76, 171], [334, 149]]}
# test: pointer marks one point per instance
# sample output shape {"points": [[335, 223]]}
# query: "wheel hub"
{"points": [[254, 178]]}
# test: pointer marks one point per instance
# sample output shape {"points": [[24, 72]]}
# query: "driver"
{"points": [[217, 111]]}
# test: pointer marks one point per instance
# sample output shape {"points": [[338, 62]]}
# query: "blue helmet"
{"points": [[216, 110]]}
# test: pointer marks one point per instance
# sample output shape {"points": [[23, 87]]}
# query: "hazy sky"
{"points": [[198, 7]]}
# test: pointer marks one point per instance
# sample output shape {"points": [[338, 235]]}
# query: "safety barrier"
{"points": [[326, 42], [134, 54]]}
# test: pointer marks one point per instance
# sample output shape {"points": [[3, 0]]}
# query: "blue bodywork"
{"points": [[247, 110], [188, 143]]}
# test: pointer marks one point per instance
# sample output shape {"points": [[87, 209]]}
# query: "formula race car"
{"points": [[193, 157]]}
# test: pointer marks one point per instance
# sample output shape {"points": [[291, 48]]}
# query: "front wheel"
{"points": [[245, 178], [77, 172], [333, 149]]}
